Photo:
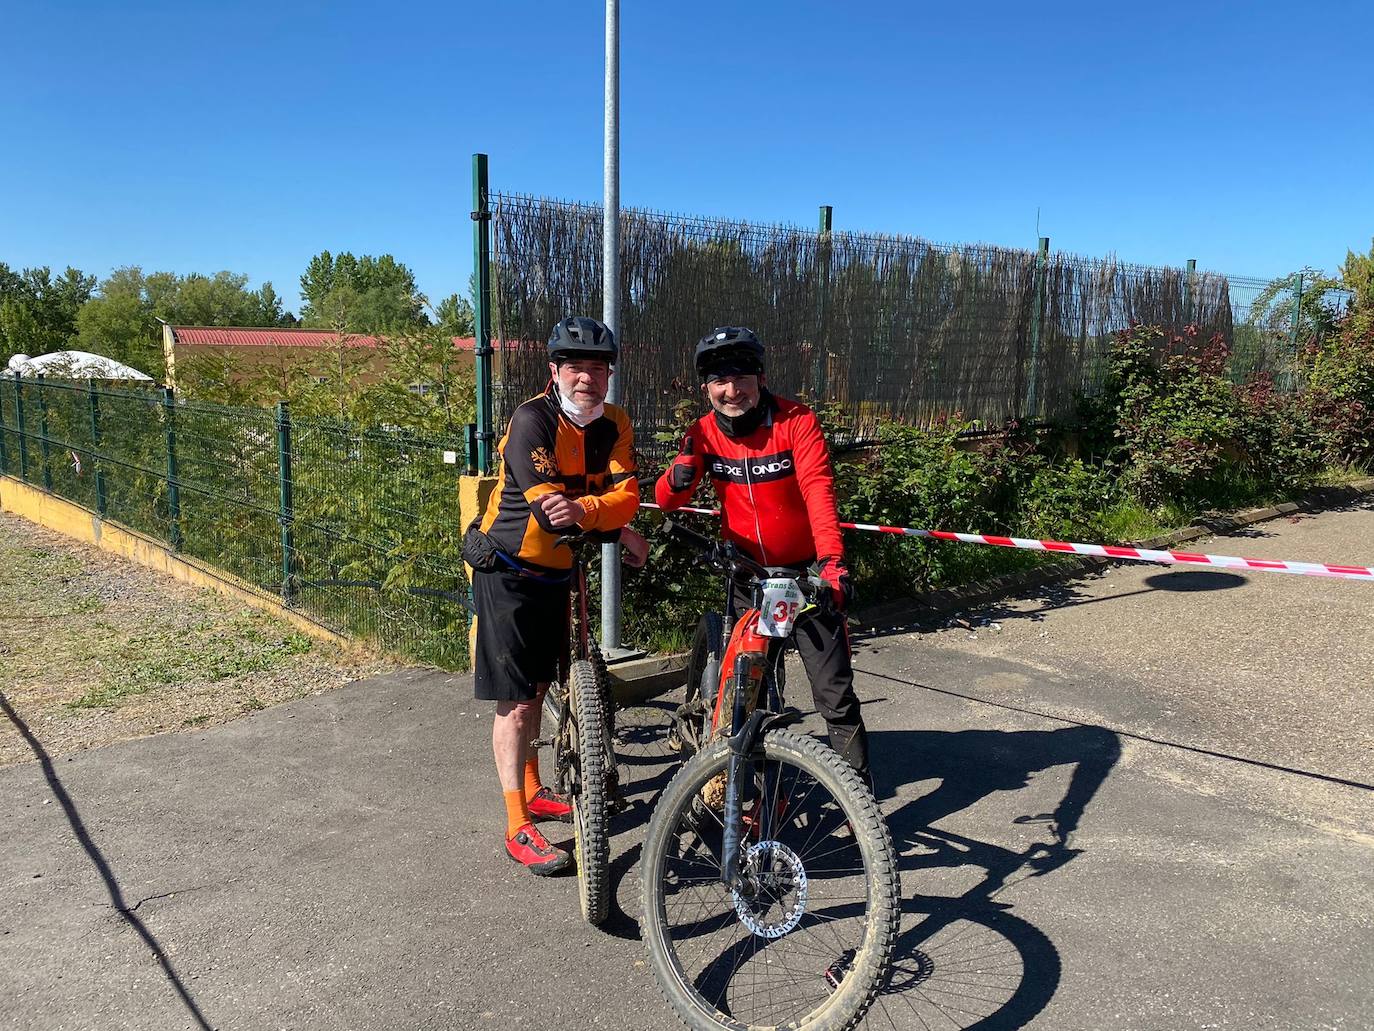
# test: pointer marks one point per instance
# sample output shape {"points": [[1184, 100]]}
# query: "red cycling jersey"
{"points": [[775, 485]]}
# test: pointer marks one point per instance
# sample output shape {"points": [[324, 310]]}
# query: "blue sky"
{"points": [[196, 137]]}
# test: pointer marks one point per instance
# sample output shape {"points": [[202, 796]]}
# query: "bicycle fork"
{"points": [[744, 686]]}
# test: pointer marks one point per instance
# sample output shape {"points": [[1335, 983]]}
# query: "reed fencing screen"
{"points": [[884, 327]]}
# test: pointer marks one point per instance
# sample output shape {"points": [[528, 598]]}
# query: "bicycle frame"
{"points": [[578, 646], [745, 661]]}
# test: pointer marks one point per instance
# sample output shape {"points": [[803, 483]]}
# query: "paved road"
{"points": [[1142, 801]]}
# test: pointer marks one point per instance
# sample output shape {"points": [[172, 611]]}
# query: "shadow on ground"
{"points": [[102, 866], [965, 960]]}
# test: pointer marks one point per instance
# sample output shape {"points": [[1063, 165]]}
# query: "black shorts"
{"points": [[522, 634]]}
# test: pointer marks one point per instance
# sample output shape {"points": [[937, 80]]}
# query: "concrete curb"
{"points": [[636, 681], [906, 611]]}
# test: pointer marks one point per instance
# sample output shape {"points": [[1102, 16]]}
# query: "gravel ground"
{"points": [[96, 649]]}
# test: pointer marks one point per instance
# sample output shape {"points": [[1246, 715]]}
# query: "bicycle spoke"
{"points": [[719, 939]]}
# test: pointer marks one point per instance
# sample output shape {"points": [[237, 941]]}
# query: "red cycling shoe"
{"points": [[548, 804], [532, 850]]}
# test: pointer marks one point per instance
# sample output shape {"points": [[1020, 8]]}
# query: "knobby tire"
{"points": [[591, 818], [669, 867]]}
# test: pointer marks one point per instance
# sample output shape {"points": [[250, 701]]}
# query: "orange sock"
{"points": [[532, 781], [517, 812]]}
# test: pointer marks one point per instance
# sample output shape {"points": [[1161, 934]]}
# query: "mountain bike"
{"points": [[579, 711], [770, 880]]}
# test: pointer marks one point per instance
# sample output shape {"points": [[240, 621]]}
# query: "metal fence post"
{"points": [[1292, 371], [43, 448], [286, 513], [481, 304], [471, 445], [821, 341], [98, 466], [19, 421], [1297, 313], [173, 488], [1188, 292], [1037, 317], [4, 448]]}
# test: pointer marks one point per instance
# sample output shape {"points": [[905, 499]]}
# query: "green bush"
{"points": [[1339, 400]]}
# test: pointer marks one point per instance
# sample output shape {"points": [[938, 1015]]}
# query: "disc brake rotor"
{"points": [[778, 900]]}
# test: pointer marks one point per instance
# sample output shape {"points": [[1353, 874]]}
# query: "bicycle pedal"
{"points": [[542, 742], [837, 971]]}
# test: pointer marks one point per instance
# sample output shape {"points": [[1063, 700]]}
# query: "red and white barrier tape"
{"points": [[1112, 551]]}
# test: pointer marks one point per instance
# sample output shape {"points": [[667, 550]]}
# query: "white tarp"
{"points": [[73, 365]]}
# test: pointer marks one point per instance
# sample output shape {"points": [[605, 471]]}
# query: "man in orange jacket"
{"points": [[567, 463]]}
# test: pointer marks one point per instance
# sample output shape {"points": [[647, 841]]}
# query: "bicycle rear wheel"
{"points": [[703, 680], [591, 795], [807, 940]]}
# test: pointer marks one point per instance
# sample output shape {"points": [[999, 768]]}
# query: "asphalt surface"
{"points": [[1138, 801]]}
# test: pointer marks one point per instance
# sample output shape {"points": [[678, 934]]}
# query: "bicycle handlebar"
{"points": [[573, 538], [726, 556]]}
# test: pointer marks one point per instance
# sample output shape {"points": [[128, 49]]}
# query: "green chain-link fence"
{"points": [[357, 530]]}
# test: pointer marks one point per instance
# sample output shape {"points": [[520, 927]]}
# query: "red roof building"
{"points": [[249, 347]]}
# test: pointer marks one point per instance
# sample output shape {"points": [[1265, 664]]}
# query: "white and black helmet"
{"points": [[728, 350]]}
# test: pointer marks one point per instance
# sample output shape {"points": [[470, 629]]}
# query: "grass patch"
{"points": [[205, 652]]}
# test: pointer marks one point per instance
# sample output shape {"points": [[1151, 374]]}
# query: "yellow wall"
{"points": [[74, 521]]}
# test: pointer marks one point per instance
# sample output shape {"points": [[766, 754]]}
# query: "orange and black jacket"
{"points": [[542, 452]]}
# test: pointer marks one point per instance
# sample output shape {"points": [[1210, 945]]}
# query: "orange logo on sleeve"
{"points": [[543, 462]]}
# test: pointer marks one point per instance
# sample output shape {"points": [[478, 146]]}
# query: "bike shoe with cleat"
{"points": [[532, 850], [548, 804]]}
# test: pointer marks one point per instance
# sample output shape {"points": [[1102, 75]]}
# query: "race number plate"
{"points": [[782, 600]]}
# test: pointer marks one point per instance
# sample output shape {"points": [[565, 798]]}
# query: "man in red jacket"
{"points": [[768, 462]]}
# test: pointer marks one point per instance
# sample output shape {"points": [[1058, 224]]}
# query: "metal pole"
{"points": [[285, 513], [1037, 316], [821, 342], [23, 435], [482, 351], [470, 456], [1188, 291], [610, 304], [1292, 372], [98, 466], [43, 434], [173, 489]]}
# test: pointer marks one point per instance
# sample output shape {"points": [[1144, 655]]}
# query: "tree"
{"points": [[119, 322], [361, 294], [122, 320], [1357, 276], [456, 317], [38, 313]]}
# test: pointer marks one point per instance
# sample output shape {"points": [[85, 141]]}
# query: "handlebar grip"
{"points": [[682, 533]]}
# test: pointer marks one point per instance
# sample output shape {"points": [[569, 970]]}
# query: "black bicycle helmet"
{"points": [[728, 350], [581, 337]]}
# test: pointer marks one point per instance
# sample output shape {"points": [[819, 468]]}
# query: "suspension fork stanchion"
{"points": [[734, 780]]}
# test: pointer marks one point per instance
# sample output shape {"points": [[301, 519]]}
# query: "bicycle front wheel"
{"points": [[591, 796], [806, 938]]}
